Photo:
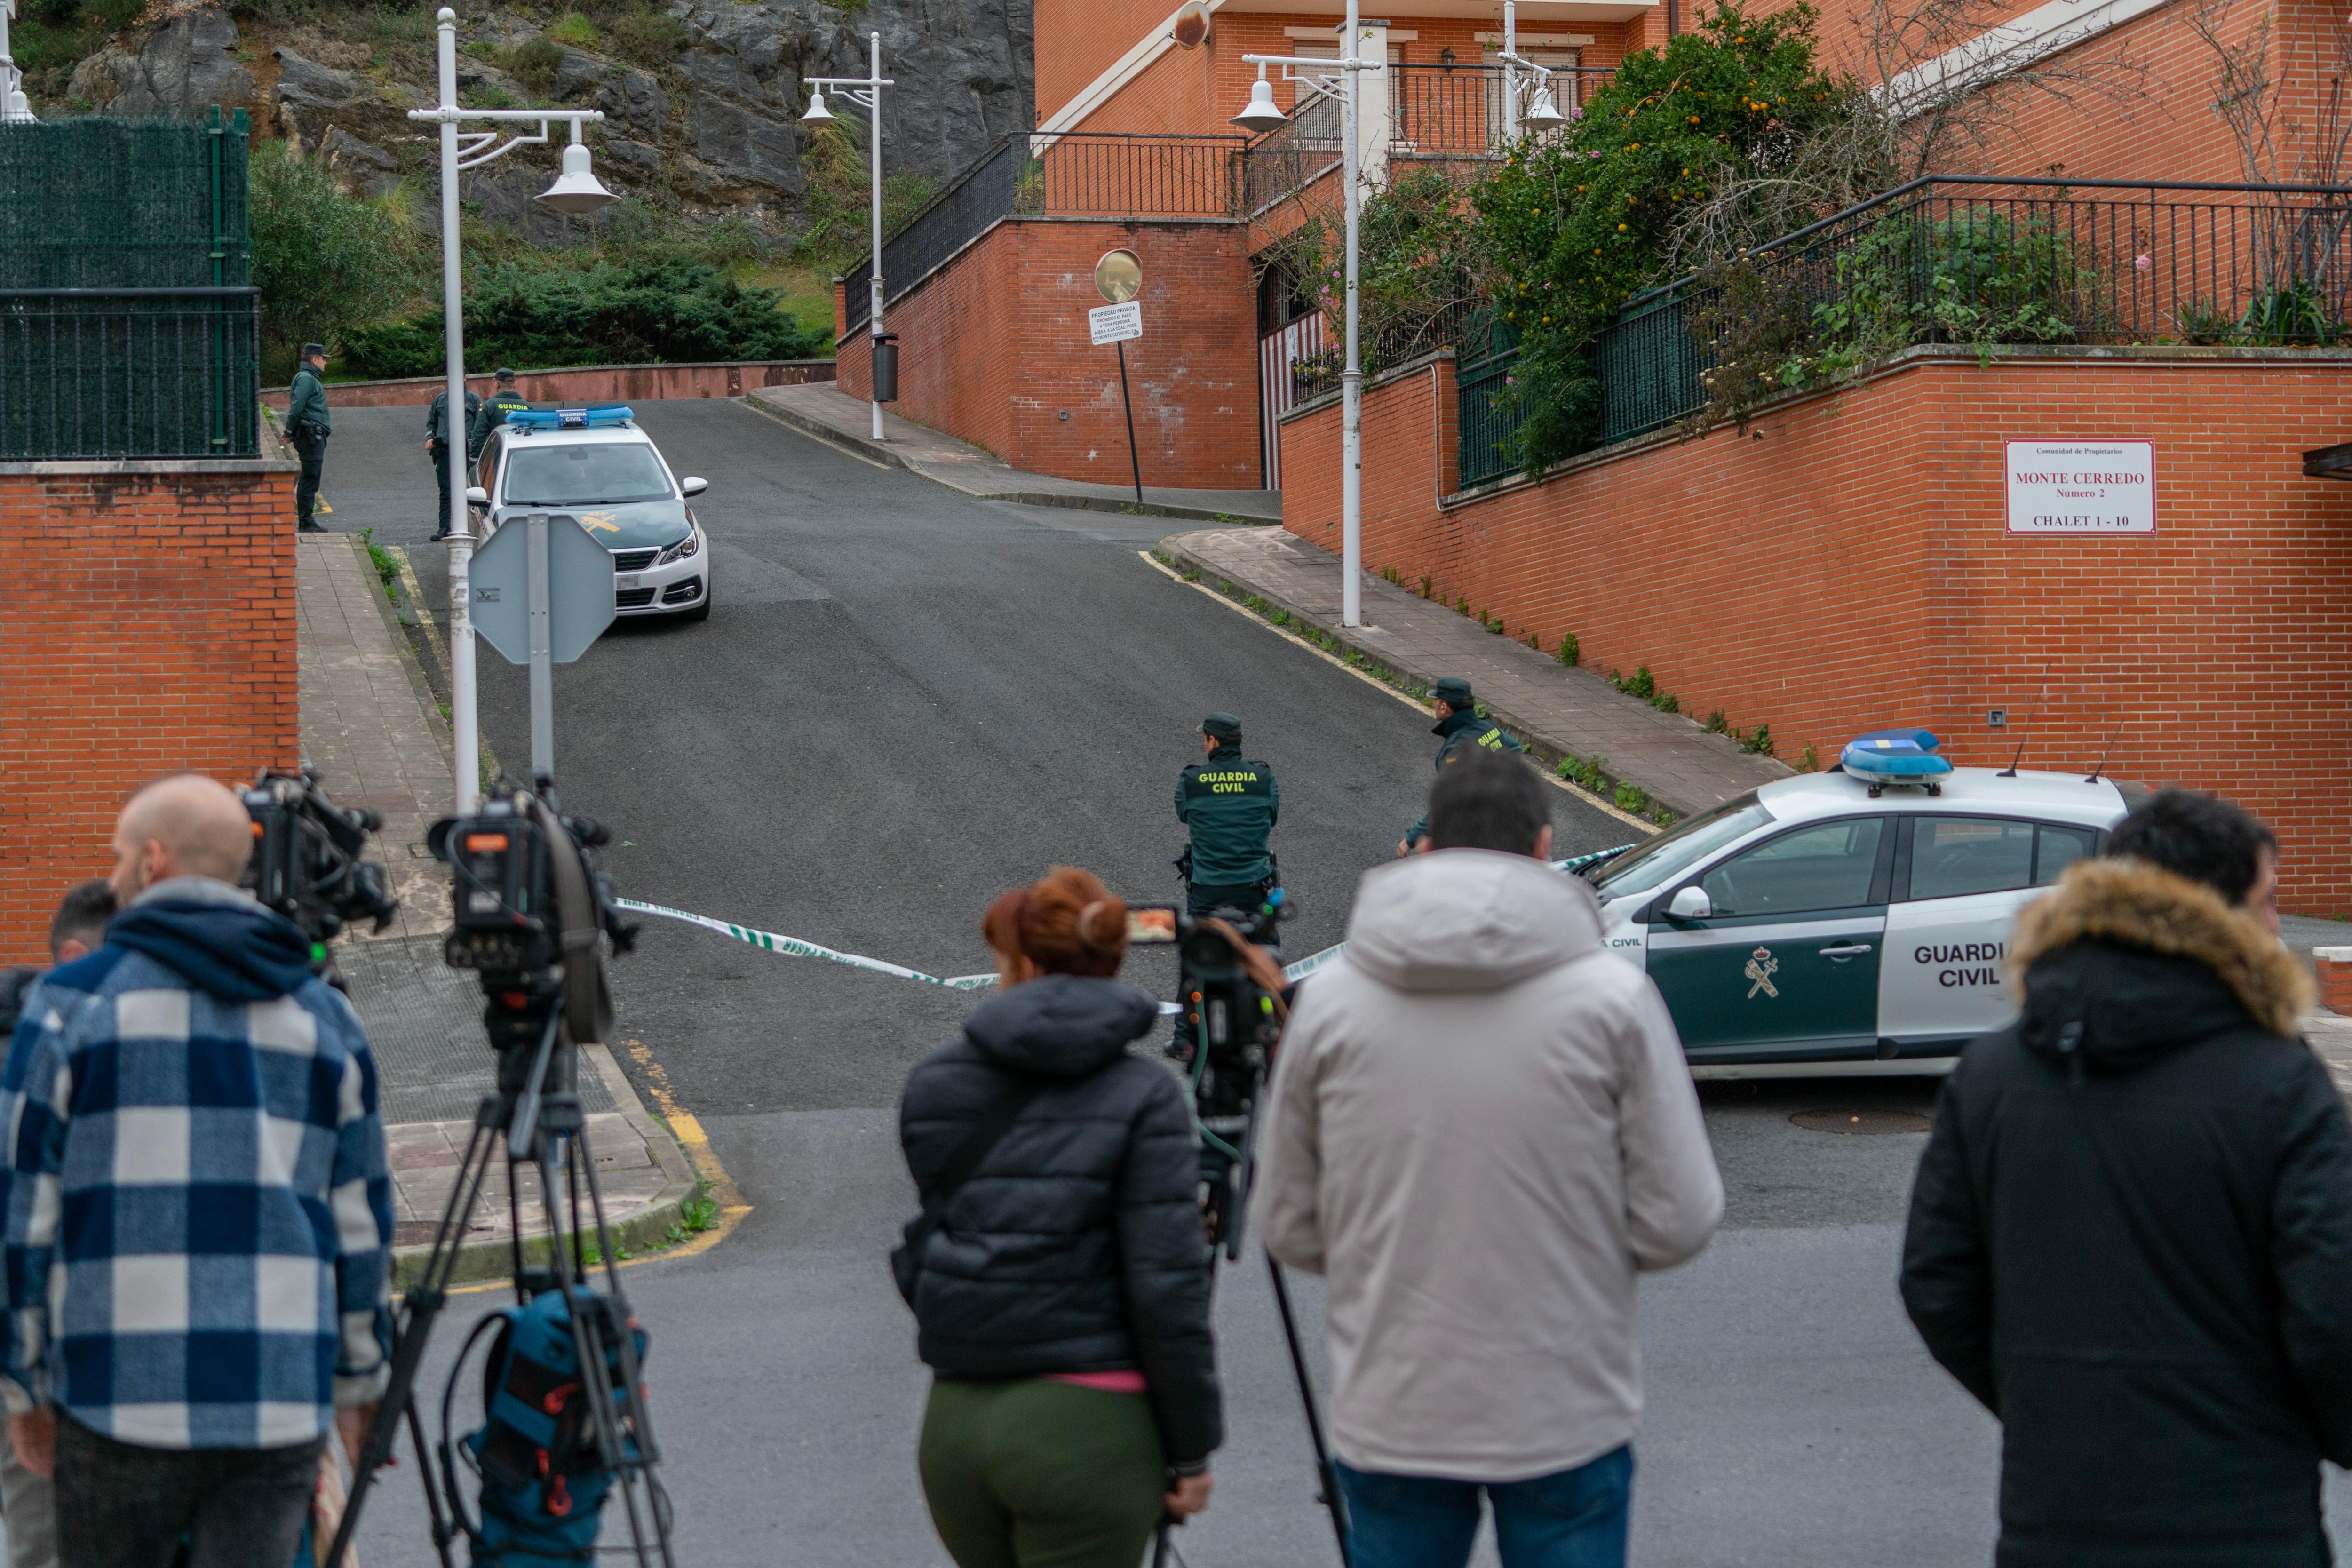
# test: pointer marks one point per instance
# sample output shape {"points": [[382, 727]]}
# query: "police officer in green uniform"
{"points": [[493, 413], [436, 449], [308, 425], [1230, 802], [1458, 727]]}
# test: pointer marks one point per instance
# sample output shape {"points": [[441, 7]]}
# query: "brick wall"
{"points": [[153, 631], [585, 384], [1844, 566], [994, 348]]}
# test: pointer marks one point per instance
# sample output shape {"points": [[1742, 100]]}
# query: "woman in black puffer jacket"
{"points": [[1063, 1299]]}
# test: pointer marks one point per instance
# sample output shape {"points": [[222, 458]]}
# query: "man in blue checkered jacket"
{"points": [[198, 1211]]}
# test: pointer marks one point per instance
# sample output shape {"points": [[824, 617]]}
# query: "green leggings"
{"points": [[1033, 1474]]}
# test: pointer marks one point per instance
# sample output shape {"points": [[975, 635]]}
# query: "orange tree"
{"points": [[1571, 227]]}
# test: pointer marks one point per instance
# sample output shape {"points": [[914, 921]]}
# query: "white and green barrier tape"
{"points": [[795, 947]]}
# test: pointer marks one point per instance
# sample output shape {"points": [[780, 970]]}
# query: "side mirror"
{"points": [[1690, 904], [477, 496], [692, 487]]}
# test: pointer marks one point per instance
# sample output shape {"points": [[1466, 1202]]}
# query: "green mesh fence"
{"points": [[127, 315]]}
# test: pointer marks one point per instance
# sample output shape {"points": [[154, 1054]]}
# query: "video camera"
{"points": [[306, 860], [1231, 992]]}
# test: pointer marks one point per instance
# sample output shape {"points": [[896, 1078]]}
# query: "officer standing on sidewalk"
{"points": [[1230, 802], [436, 448], [309, 425], [1459, 727], [493, 412]]}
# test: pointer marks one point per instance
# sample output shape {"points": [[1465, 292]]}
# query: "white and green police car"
{"points": [[1849, 922]]}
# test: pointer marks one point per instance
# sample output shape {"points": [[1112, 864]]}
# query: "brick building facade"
{"points": [[1845, 564], [163, 638]]}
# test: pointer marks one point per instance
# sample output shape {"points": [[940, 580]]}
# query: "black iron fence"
{"points": [[1456, 112], [1068, 175], [129, 373], [1979, 262], [1294, 154]]}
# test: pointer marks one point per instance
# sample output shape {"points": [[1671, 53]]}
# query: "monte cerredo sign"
{"points": [[2081, 486]]}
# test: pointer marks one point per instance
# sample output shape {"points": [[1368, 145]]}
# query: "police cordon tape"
{"points": [[794, 947]]}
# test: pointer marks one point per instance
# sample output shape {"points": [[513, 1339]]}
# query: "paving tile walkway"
{"points": [[825, 411], [1553, 709], [373, 731]]}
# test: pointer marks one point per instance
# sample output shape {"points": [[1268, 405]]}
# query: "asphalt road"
{"points": [[905, 702]]}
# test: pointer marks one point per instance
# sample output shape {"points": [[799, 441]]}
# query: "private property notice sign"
{"points": [[1116, 323], [2082, 487]]}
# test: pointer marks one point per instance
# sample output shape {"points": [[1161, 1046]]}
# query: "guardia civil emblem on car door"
{"points": [[1761, 967]]}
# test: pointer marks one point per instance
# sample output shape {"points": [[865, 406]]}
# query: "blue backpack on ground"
{"points": [[543, 1484]]}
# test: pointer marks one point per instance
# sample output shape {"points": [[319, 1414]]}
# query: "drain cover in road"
{"points": [[1861, 1121]]}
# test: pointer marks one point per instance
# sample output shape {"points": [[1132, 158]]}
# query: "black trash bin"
{"points": [[885, 367]]}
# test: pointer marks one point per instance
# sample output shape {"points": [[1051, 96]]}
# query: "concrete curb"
{"points": [[1546, 747], [881, 452], [493, 1258]]}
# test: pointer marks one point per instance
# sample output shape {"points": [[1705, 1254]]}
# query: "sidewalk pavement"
{"points": [[1553, 709], [371, 728], [824, 411]]}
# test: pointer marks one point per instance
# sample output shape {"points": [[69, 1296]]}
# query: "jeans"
{"points": [[1572, 1519], [28, 1506], [122, 1506]]}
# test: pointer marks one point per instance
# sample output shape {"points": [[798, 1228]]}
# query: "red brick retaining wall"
{"points": [[1845, 565], [585, 384], [152, 630]]}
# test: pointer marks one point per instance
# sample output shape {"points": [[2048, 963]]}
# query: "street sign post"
{"points": [[1118, 278], [542, 592]]}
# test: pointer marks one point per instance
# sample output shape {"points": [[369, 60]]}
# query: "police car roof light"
{"points": [[595, 416], [1885, 757]]}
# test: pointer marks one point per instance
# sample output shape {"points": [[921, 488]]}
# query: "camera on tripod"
{"points": [[1229, 989], [306, 860], [514, 863]]}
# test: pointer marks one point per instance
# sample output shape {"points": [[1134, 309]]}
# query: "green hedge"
{"points": [[633, 313]]}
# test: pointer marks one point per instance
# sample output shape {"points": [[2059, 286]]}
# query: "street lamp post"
{"points": [[575, 191], [866, 92], [1261, 114], [15, 109]]}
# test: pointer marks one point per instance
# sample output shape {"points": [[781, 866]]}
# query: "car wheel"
{"points": [[700, 612]]}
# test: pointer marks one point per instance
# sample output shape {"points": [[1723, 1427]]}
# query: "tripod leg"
{"points": [[640, 1417], [1324, 1468], [444, 1533], [421, 1305]]}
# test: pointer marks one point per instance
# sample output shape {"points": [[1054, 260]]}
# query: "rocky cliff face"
{"points": [[701, 111]]}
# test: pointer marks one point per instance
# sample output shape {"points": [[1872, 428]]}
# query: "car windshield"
{"points": [[603, 473], [1681, 846]]}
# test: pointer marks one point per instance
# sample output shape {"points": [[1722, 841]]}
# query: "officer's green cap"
{"points": [[1453, 691], [1221, 726], [504, 373], [312, 351]]}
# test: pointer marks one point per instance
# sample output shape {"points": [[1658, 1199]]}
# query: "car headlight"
{"points": [[683, 547]]}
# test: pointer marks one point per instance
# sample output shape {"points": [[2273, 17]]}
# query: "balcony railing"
{"points": [[1069, 175], [128, 373], [1295, 154], [1980, 261], [1456, 112]]}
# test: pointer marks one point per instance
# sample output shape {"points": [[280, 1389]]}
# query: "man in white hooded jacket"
{"points": [[1481, 1129]]}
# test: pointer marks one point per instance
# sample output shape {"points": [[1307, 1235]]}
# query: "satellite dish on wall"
{"points": [[1191, 26]]}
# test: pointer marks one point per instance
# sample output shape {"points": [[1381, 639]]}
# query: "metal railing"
{"points": [[94, 202], [1457, 111], [1066, 174], [1977, 261], [97, 374], [1294, 154]]}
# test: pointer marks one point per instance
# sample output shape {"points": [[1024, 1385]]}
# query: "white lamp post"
{"points": [[1260, 115], [1543, 108], [575, 191], [15, 109], [866, 92]]}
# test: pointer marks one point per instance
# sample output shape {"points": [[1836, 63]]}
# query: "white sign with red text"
{"points": [[2082, 487]]}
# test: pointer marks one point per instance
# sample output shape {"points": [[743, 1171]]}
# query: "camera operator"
{"points": [[1230, 804], [178, 1363], [1480, 1127], [1060, 1287]]}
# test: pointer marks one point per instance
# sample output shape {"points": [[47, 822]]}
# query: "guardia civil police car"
{"points": [[1850, 922], [594, 464]]}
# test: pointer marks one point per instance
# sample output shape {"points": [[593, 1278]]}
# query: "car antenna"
{"points": [[2094, 777], [2011, 771]]}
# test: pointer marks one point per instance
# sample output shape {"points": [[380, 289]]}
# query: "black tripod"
{"points": [[536, 1114]]}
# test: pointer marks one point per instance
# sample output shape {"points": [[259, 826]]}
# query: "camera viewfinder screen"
{"points": [[1150, 923]]}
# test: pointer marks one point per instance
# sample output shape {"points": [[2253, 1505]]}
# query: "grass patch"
{"points": [[387, 565]]}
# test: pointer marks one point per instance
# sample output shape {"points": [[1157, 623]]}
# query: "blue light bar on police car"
{"points": [[1894, 757], [595, 416]]}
